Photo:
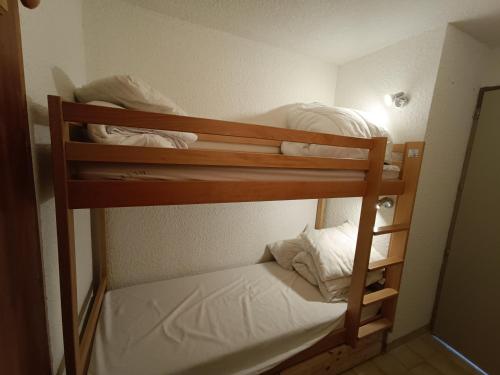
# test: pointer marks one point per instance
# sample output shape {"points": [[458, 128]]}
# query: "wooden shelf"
{"points": [[390, 261], [379, 295], [377, 231], [374, 327]]}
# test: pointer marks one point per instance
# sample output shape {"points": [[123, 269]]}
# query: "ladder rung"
{"points": [[379, 295], [377, 231], [374, 327], [390, 261]]}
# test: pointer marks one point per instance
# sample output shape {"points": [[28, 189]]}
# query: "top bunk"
{"points": [[94, 175]]}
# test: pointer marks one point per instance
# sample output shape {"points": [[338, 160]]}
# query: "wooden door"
{"points": [[23, 331], [468, 306]]}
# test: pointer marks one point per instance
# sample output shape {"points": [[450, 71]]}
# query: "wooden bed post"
{"points": [[364, 241], [65, 238], [320, 213]]}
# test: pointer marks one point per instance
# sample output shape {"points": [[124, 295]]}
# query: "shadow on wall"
{"points": [[39, 128], [484, 29]]}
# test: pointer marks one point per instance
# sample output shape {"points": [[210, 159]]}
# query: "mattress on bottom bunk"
{"points": [[242, 320], [196, 173]]}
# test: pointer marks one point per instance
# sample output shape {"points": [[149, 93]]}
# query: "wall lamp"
{"points": [[400, 99], [385, 202]]}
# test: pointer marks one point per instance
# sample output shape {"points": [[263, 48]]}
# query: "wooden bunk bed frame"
{"points": [[96, 194]]}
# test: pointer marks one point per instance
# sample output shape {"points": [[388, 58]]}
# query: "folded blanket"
{"points": [[319, 118], [327, 260], [116, 135]]}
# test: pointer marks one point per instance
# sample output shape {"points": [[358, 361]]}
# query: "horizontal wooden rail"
{"points": [[378, 231], [392, 187], [374, 327], [124, 117], [379, 295], [387, 262], [113, 193], [238, 140], [93, 152]]}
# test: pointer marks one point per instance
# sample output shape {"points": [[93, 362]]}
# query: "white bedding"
{"points": [[238, 321], [195, 173], [316, 117]]}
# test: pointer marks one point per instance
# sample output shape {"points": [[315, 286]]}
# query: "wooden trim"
{"points": [[23, 324], [364, 240], [65, 239], [93, 152], [114, 193], [238, 140], [92, 114], [458, 197]]}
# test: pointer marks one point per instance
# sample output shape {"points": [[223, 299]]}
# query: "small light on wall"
{"points": [[385, 202], [398, 100]]}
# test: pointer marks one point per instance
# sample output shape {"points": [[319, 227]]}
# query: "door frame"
{"points": [[23, 324], [458, 198]]}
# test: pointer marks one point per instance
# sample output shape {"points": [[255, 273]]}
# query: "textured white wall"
{"points": [[411, 66], [212, 74], [52, 38], [462, 64]]}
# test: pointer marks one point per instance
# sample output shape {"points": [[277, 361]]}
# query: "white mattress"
{"points": [[242, 320], [196, 173]]}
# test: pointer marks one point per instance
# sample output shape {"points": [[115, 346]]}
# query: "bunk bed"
{"points": [[97, 176]]}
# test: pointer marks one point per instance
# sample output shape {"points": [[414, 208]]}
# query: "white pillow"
{"points": [[128, 92], [284, 251]]}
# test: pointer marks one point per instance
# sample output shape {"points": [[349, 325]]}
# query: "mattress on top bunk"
{"points": [[238, 321], [118, 171]]}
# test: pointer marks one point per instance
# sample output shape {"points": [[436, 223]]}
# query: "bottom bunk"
{"points": [[243, 320]]}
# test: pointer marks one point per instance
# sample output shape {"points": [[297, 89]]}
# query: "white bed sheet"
{"points": [[238, 321], [196, 173]]}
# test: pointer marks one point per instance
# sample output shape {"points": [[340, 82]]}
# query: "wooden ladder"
{"points": [[393, 264]]}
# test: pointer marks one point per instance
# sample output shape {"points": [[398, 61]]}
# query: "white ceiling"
{"points": [[335, 30]]}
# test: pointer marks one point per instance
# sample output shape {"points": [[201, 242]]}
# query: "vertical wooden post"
{"points": [[320, 213], [412, 161], [23, 325], [65, 238], [98, 228], [364, 241]]}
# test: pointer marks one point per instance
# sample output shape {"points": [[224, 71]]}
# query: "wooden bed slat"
{"points": [[93, 152], [112, 116], [113, 193], [379, 295], [377, 231], [374, 327], [387, 262]]}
